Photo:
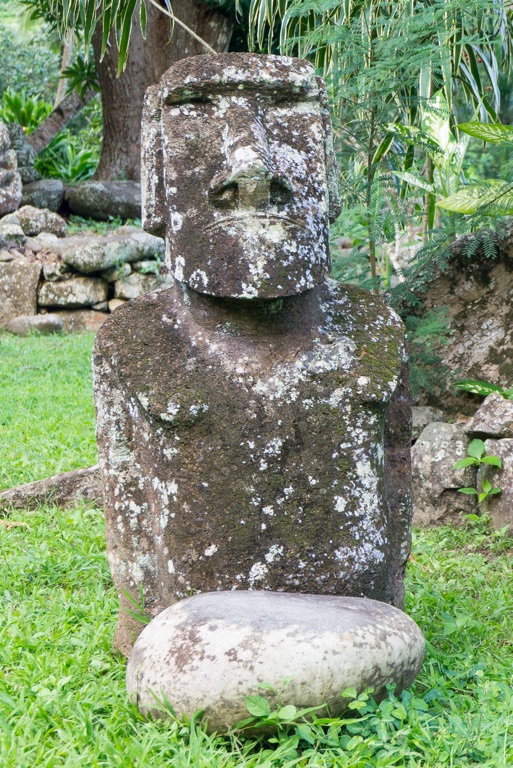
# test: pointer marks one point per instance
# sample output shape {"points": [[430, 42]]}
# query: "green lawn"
{"points": [[62, 697], [46, 408]]}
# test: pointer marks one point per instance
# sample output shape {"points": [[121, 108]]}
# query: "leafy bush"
{"points": [[31, 64], [74, 153], [27, 111]]}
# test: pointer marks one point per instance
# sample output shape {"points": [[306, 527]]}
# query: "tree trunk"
{"points": [[67, 54], [122, 97], [58, 119]]}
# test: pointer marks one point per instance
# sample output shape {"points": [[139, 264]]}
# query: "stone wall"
{"points": [[78, 280]]}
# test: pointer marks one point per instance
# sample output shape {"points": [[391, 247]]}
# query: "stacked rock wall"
{"points": [[78, 280]]}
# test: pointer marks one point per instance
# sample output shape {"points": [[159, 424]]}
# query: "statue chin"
{"points": [[253, 256]]}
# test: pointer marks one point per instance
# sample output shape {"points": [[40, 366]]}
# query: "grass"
{"points": [[62, 695], [46, 409]]}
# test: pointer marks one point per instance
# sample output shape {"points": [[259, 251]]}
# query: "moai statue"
{"points": [[253, 429]]}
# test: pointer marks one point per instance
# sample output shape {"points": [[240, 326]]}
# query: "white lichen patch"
{"points": [[274, 553], [257, 572], [211, 550]]}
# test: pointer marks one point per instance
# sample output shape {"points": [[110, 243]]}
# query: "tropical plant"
{"points": [[445, 153], [74, 153], [477, 457], [483, 388], [492, 197], [81, 76], [27, 111]]}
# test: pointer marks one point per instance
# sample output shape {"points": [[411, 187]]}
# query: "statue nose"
{"points": [[249, 181]]}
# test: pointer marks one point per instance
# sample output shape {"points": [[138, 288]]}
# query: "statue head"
{"points": [[238, 174]]}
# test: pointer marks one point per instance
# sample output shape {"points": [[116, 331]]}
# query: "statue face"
{"points": [[242, 174]]}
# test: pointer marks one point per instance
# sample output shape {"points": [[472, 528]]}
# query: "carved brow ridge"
{"points": [[279, 91]]}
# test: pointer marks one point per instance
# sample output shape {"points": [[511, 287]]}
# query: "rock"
{"points": [[116, 273], [494, 418], [25, 156], [56, 270], [147, 267], [476, 292], [422, 415], [33, 221], [11, 236], [95, 253], [46, 193], [44, 324], [212, 650], [6, 256], [18, 289], [62, 490], [435, 484], [500, 506], [102, 306], [105, 199], [115, 303], [82, 320], [48, 240], [10, 180], [135, 285], [73, 293]]}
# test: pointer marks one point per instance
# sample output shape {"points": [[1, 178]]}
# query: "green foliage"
{"points": [[427, 372], [74, 153], [30, 64], [483, 388], [82, 76], [476, 457], [80, 226], [491, 196], [28, 111]]}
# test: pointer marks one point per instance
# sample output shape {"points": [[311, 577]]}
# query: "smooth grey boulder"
{"points": [[105, 199], [95, 253], [494, 419], [34, 220], [421, 416], [18, 289], [212, 650], [435, 483], [44, 324], [137, 284], [73, 293], [45, 193]]}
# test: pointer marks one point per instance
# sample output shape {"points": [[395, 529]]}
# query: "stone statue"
{"points": [[253, 426]]}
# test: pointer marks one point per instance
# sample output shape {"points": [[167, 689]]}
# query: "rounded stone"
{"points": [[45, 193], [210, 651], [44, 324]]}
